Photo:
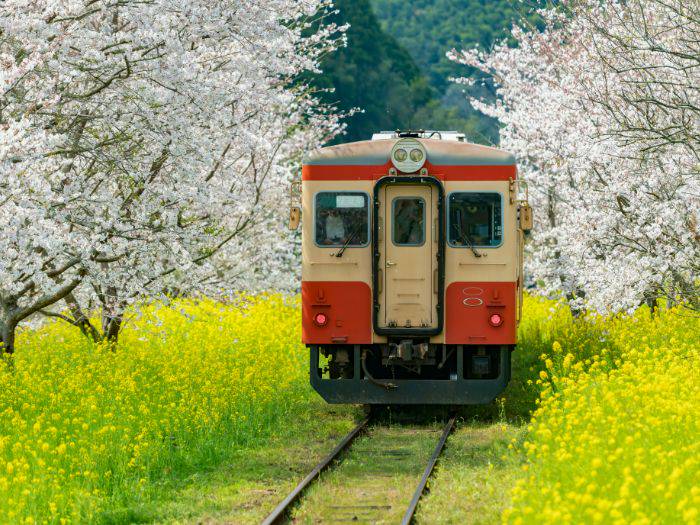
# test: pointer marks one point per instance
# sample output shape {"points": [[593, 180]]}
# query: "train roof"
{"points": [[452, 151]]}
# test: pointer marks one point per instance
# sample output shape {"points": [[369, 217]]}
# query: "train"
{"points": [[412, 268]]}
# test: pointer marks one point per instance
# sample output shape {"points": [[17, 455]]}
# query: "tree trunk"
{"points": [[650, 301], [577, 311], [7, 336], [80, 319], [111, 324], [112, 315], [650, 298]]}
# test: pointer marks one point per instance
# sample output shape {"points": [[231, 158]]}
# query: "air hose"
{"points": [[383, 384]]}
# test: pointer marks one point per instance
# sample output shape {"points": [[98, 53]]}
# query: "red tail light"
{"points": [[495, 319], [321, 319]]}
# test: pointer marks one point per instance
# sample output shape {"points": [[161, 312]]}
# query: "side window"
{"points": [[408, 221], [475, 219], [342, 218]]}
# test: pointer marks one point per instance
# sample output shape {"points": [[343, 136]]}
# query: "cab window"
{"points": [[342, 218], [475, 219]]}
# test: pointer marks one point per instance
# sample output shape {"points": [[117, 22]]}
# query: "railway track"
{"points": [[282, 510]]}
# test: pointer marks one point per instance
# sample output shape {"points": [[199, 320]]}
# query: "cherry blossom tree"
{"points": [[140, 139], [40, 262], [602, 110]]}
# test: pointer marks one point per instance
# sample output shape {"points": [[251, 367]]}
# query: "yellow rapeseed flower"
{"points": [[615, 437], [94, 422]]}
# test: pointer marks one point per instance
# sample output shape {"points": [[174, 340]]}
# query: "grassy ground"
{"points": [[374, 482], [475, 472], [249, 484]]}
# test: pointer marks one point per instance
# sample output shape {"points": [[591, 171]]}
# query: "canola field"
{"points": [[88, 432], [615, 437]]}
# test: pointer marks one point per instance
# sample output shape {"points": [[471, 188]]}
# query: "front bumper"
{"points": [[457, 391]]}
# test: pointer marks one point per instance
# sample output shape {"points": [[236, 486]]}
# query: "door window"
{"points": [[408, 221]]}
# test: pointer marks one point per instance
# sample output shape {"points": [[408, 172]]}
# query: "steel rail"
{"points": [[281, 510], [408, 516]]}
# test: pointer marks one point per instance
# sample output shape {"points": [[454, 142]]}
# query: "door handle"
{"points": [[389, 264]]}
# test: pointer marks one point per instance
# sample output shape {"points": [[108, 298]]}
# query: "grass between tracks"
{"points": [[376, 479], [204, 413]]}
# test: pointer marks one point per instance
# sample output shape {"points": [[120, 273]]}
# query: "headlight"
{"points": [[408, 155], [416, 155]]}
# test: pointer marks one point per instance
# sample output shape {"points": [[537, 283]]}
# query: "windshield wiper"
{"points": [[340, 252], [466, 238]]}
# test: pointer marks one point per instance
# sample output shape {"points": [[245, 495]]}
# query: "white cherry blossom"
{"points": [[602, 110], [139, 139]]}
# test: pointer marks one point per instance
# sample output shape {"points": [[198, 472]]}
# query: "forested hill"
{"points": [[394, 67], [373, 73], [376, 74], [427, 29]]}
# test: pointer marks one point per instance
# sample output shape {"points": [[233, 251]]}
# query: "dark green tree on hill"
{"points": [[427, 29], [396, 71], [372, 73], [376, 74]]}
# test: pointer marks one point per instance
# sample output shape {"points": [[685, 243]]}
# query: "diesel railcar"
{"points": [[412, 268]]}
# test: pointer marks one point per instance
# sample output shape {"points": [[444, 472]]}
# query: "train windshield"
{"points": [[475, 219], [342, 218]]}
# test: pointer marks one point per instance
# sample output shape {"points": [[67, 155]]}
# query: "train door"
{"points": [[409, 257]]}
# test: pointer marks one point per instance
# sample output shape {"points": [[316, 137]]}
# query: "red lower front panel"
{"points": [[470, 305], [347, 307]]}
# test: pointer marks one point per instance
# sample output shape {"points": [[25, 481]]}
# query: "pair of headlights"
{"points": [[400, 155], [408, 155]]}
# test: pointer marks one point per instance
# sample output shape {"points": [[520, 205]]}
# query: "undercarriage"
{"points": [[410, 371]]}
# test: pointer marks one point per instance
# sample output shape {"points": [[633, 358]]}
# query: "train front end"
{"points": [[411, 269]]}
